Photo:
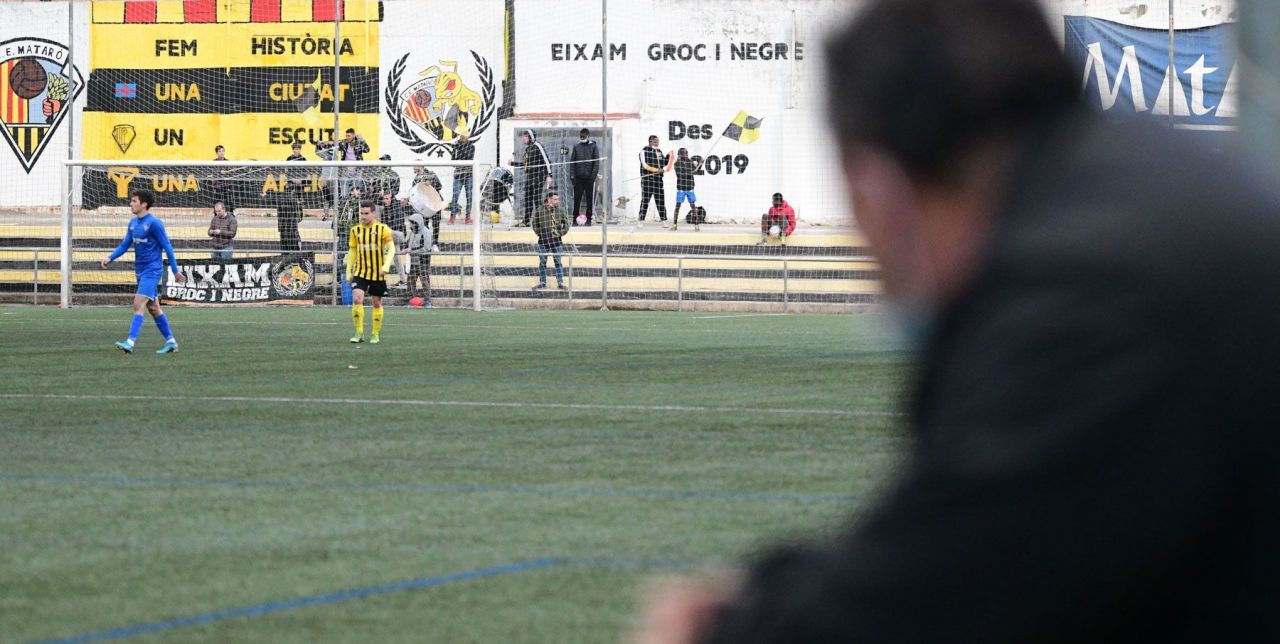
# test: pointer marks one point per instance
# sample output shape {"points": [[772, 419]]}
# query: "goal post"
{"points": [[281, 210]]}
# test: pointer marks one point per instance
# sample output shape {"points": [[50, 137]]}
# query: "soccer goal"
{"points": [[247, 232]]}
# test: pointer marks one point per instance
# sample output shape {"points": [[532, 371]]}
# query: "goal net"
{"points": [[276, 233]]}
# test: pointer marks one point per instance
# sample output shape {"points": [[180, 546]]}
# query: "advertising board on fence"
{"points": [[279, 279]]}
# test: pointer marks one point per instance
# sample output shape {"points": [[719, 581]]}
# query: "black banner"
{"points": [[279, 279], [236, 90]]}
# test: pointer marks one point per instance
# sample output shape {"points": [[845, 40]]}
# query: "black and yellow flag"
{"points": [[744, 128]]}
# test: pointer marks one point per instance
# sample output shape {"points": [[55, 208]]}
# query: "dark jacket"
{"points": [[550, 224], [393, 215], [653, 157], [585, 159], [535, 161], [1096, 424], [222, 230], [463, 153], [684, 173], [360, 148]]}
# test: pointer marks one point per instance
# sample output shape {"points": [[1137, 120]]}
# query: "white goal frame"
{"points": [[68, 188]]}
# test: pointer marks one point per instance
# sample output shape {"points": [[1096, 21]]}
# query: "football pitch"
{"points": [[476, 477]]}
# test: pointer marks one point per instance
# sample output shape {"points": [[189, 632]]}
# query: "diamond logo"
{"points": [[124, 136]]}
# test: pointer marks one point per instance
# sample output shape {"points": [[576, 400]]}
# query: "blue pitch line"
{"points": [[309, 600], [459, 488], [367, 591]]}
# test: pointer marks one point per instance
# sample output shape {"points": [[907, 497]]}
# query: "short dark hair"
{"points": [[144, 196], [218, 147], [551, 194], [351, 130], [296, 145], [367, 203], [584, 132], [924, 80]]}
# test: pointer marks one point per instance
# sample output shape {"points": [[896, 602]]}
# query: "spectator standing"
{"points": [[222, 230], [584, 165], [419, 253], [288, 216], [1094, 459], [423, 174], [782, 215], [463, 150], [347, 216], [392, 213], [652, 166], [685, 167], [550, 224], [537, 175], [384, 180], [221, 187], [352, 147]]}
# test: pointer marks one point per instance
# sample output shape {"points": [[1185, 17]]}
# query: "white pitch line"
{"points": [[442, 325], [459, 403], [737, 315]]}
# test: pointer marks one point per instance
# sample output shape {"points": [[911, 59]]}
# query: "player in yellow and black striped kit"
{"points": [[371, 251]]}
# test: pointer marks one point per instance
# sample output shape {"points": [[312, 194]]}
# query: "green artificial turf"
{"points": [[523, 472]]}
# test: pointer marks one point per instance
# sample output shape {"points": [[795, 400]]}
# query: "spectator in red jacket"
{"points": [[780, 215]]}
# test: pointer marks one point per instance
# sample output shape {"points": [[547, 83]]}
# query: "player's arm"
{"points": [[162, 238], [388, 250], [120, 250], [351, 252]]}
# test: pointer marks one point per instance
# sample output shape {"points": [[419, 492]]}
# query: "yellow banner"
{"points": [[187, 46], [192, 137]]}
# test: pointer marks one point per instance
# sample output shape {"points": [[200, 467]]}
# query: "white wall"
{"points": [[455, 30], [665, 96], [47, 20]]}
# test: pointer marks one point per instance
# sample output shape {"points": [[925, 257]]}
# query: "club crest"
{"points": [[38, 84], [431, 112]]}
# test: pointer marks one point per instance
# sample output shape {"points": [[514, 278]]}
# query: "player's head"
{"points": [[925, 81], [356, 191], [684, 153], [351, 134], [220, 152], [140, 201], [367, 212], [219, 207], [584, 133], [653, 140], [553, 198], [386, 198], [928, 99], [527, 136], [297, 148], [777, 199]]}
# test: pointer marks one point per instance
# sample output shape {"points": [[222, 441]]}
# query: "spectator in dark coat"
{"points": [[1095, 417]]}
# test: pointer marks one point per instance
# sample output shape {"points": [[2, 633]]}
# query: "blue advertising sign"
{"points": [[1126, 69]]}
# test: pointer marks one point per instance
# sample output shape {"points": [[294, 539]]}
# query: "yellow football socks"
{"points": [[357, 317], [377, 320]]}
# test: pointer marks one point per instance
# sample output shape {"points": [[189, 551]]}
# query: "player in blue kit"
{"points": [[147, 236]]}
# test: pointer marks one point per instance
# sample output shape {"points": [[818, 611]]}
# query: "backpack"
{"points": [[697, 215]]}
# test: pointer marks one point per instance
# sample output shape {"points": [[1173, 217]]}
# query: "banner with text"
{"points": [[279, 279], [173, 80], [1128, 69]]}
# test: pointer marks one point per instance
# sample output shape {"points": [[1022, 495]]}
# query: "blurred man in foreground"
{"points": [[1095, 416]]}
